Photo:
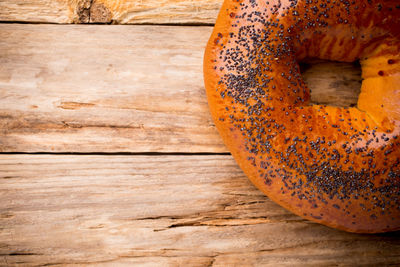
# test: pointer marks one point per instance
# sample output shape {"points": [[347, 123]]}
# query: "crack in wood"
{"points": [[19, 253], [212, 219]]}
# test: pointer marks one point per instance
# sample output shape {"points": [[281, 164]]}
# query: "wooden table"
{"points": [[109, 155]]}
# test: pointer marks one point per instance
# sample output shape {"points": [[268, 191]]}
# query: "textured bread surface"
{"points": [[333, 165]]}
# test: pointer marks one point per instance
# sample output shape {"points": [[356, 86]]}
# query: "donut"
{"points": [[337, 166]]}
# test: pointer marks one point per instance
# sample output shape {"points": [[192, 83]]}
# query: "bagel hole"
{"points": [[332, 83]]}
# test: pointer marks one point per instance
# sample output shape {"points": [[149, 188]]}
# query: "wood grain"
{"points": [[111, 11], [104, 89], [160, 211], [80, 88], [43, 11], [75, 88]]}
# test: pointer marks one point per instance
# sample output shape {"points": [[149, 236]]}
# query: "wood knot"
{"points": [[99, 13], [91, 11], [82, 11]]}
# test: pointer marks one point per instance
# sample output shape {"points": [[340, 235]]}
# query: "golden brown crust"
{"points": [[336, 166]]}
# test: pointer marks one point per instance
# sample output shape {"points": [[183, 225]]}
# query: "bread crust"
{"points": [[335, 166]]}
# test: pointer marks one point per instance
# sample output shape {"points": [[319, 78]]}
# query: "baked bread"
{"points": [[332, 165]]}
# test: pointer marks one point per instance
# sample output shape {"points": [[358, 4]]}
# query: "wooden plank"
{"points": [[44, 11], [111, 11], [104, 89], [80, 88], [160, 211]]}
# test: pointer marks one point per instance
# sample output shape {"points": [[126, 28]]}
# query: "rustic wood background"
{"points": [[109, 155]]}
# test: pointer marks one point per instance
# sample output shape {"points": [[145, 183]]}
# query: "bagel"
{"points": [[338, 166]]}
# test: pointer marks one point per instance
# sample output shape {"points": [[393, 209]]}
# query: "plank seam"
{"points": [[122, 153], [112, 22]]}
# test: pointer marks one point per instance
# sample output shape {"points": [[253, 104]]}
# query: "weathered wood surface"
{"points": [[159, 211], [111, 11], [80, 88], [44, 11], [104, 89]]}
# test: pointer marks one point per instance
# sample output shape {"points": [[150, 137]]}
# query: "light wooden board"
{"points": [[44, 11], [102, 89], [80, 88], [111, 11], [160, 211]]}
